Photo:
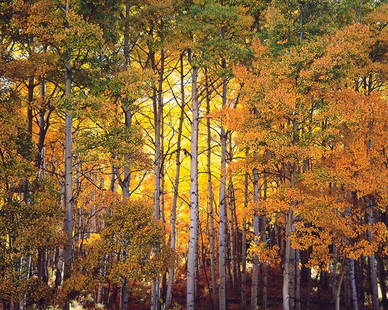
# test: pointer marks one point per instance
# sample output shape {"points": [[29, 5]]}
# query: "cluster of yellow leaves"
{"points": [[315, 119], [263, 252], [132, 234]]}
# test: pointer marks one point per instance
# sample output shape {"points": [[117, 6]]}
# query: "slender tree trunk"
{"points": [[26, 190], [233, 223], [171, 270], [230, 256], [264, 238], [58, 267], [161, 133], [353, 285], [292, 275], [222, 252], [308, 280], [297, 281], [338, 290], [39, 164], [334, 275], [256, 231], [213, 285], [155, 303], [244, 245], [125, 184], [360, 280], [30, 88], [286, 264], [381, 266], [158, 112], [347, 290], [193, 233], [383, 286], [373, 266], [163, 288], [68, 198], [197, 263], [292, 260]]}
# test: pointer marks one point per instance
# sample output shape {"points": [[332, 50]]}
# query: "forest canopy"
{"points": [[193, 154]]}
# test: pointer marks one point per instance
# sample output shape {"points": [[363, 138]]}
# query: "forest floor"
{"points": [[322, 302]]}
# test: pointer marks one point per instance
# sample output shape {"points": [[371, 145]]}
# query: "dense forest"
{"points": [[193, 154]]}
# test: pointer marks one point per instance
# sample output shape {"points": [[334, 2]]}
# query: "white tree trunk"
{"points": [[210, 202], [338, 287], [244, 246], [171, 270], [193, 234], [353, 284], [373, 266], [286, 264], [223, 219]]}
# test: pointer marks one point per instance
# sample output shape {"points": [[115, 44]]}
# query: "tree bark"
{"points": [[158, 113], [30, 88], [286, 264], [171, 270], [297, 281], [222, 252], [353, 285], [125, 184], [39, 164], [68, 197], [373, 266], [193, 231], [383, 286], [256, 231], [244, 245], [213, 285], [264, 238], [233, 259], [338, 290], [360, 279]]}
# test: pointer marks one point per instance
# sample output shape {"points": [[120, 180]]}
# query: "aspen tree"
{"points": [[193, 231], [68, 198]]}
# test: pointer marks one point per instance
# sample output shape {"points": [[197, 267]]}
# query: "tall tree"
{"points": [[193, 235]]}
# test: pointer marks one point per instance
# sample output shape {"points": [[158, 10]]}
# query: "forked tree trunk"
{"points": [[171, 270]]}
